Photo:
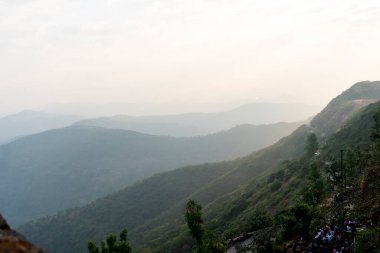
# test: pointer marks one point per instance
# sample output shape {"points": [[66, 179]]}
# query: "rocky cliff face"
{"points": [[13, 242]]}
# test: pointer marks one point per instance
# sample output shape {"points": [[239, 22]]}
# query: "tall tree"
{"points": [[194, 221], [311, 145], [376, 127], [207, 243], [375, 136]]}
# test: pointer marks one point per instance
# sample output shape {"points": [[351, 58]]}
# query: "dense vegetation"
{"points": [[320, 180], [275, 192], [96, 161], [112, 244], [154, 204]]}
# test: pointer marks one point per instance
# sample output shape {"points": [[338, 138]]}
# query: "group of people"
{"points": [[330, 239]]}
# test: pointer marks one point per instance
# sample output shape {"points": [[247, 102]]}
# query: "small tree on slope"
{"points": [[111, 244]]}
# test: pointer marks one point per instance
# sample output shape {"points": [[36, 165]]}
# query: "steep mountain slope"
{"points": [[356, 132], [95, 161], [152, 203], [192, 124], [31, 122], [223, 195], [251, 207], [342, 107]]}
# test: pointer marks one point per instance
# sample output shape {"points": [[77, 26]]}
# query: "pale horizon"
{"points": [[183, 53]]}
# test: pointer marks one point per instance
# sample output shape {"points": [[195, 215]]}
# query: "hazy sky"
{"points": [[181, 51]]}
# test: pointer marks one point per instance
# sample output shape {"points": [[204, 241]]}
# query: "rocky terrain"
{"points": [[13, 242]]}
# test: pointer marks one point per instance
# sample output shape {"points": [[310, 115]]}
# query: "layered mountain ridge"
{"points": [[152, 210], [193, 124], [31, 122], [96, 161]]}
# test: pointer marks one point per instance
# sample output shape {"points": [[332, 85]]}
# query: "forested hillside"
{"points": [[265, 184], [58, 169]]}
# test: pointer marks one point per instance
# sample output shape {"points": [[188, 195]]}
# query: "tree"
{"points": [[352, 162], [375, 136], [194, 221], [376, 127], [111, 244], [295, 221], [206, 242], [311, 145], [314, 190]]}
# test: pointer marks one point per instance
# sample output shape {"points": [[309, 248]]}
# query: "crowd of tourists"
{"points": [[331, 239]]}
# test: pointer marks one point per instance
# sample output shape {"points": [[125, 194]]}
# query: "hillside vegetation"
{"points": [[233, 193], [58, 169], [341, 108]]}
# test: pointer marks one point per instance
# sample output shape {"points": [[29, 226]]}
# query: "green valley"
{"points": [[259, 192], [81, 163]]}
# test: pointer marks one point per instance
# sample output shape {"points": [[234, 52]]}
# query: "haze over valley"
{"points": [[173, 126], [218, 186], [96, 161]]}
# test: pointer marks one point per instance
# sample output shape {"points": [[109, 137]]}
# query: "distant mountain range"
{"points": [[181, 125], [192, 124], [93, 110], [31, 122], [152, 209], [57, 169]]}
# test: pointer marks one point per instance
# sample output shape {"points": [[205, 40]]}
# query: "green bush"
{"points": [[295, 222], [367, 241], [111, 244], [275, 186], [259, 221]]}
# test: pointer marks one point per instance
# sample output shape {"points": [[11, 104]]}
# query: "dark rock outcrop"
{"points": [[13, 242]]}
